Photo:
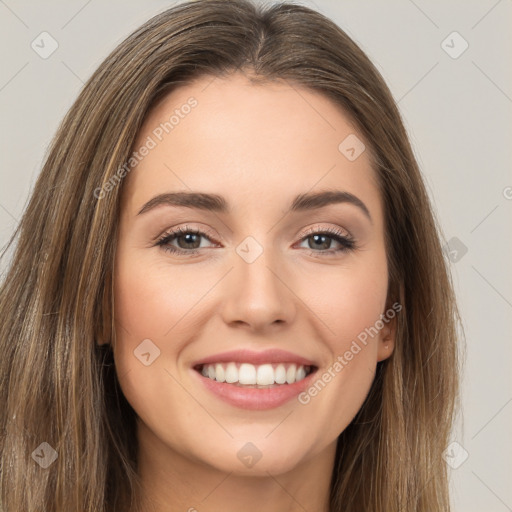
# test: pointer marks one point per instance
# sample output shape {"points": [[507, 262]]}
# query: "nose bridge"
{"points": [[257, 294]]}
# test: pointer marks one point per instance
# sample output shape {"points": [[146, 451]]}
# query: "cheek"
{"points": [[349, 306], [137, 313], [358, 304], [150, 300], [348, 299], [153, 302], [147, 307]]}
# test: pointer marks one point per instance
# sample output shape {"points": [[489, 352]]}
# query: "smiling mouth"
{"points": [[262, 376]]}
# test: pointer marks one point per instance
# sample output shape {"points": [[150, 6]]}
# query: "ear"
{"points": [[387, 336]]}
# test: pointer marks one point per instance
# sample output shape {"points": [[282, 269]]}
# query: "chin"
{"points": [[257, 458]]}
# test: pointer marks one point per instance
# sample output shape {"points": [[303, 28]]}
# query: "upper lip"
{"points": [[252, 357]]}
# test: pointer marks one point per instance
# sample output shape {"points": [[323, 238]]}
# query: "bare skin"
{"points": [[259, 147]]}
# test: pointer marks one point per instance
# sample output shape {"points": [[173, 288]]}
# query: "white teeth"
{"points": [[246, 374], [231, 373], [301, 373], [290, 374], [265, 375], [280, 375], [220, 374]]}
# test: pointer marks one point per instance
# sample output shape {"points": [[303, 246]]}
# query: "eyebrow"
{"points": [[218, 204]]}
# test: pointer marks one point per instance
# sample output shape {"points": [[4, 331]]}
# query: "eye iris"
{"points": [[190, 238], [324, 243]]}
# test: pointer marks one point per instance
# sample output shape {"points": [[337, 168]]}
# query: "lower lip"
{"points": [[254, 398]]}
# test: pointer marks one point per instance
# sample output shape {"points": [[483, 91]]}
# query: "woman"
{"points": [[228, 290]]}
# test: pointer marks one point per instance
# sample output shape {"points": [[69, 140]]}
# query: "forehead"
{"points": [[257, 144]]}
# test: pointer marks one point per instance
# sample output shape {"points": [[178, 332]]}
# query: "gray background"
{"points": [[458, 113]]}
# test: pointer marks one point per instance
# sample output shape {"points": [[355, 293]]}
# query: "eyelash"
{"points": [[347, 243]]}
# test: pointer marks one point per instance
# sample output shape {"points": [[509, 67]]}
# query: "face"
{"points": [[243, 315]]}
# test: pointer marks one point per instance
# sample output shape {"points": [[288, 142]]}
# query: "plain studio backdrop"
{"points": [[448, 67]]}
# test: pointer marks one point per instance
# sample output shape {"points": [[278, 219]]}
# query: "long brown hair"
{"points": [[59, 387]]}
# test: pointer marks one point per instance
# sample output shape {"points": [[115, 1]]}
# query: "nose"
{"points": [[258, 295]]}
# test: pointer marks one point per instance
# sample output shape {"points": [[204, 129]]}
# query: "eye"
{"points": [[322, 240], [187, 239]]}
